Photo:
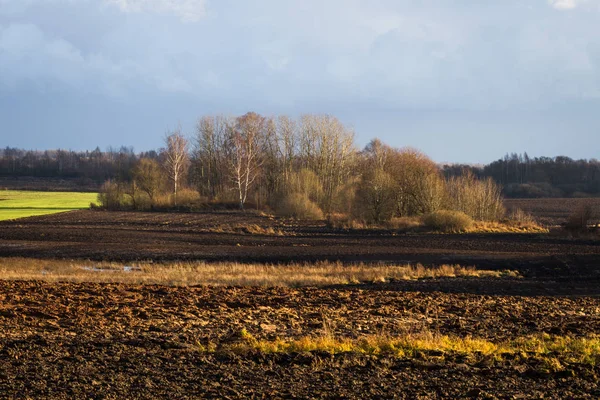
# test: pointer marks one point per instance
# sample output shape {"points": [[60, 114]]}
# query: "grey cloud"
{"points": [[296, 56]]}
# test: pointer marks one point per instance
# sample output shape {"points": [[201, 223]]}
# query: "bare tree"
{"points": [[287, 138], [417, 178], [176, 158], [375, 196], [148, 176], [326, 146], [209, 155], [279, 157], [244, 152], [479, 199]]}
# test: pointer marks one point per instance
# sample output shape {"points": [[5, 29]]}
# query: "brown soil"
{"points": [[127, 341], [551, 211], [117, 341], [564, 266]]}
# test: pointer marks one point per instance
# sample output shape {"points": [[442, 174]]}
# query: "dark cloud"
{"points": [[450, 68]]}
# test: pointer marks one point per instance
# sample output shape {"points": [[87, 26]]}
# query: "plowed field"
{"points": [[90, 340], [117, 341], [233, 236], [552, 211]]}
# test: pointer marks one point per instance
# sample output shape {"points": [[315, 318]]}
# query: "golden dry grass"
{"points": [[418, 224], [553, 350], [228, 274], [506, 227]]}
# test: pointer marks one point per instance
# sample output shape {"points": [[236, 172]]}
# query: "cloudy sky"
{"points": [[462, 80]]}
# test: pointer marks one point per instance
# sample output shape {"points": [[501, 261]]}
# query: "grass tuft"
{"points": [[553, 351], [505, 227]]}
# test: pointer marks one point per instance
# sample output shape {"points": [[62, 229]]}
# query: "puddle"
{"points": [[125, 268]]}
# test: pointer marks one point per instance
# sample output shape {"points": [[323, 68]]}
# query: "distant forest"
{"points": [[519, 175], [523, 177]]}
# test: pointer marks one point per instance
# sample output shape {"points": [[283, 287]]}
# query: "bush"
{"points": [[188, 197], [111, 196], [519, 216], [479, 199], [404, 223], [375, 197], [299, 206], [448, 221], [581, 218], [142, 201]]}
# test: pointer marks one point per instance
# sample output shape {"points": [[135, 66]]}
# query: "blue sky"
{"points": [[462, 80]]}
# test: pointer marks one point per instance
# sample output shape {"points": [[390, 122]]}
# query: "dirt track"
{"points": [[117, 341]]}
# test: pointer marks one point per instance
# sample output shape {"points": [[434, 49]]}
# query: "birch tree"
{"points": [[245, 144], [176, 159]]}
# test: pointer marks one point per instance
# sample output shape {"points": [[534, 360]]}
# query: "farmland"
{"points": [[244, 304], [19, 204], [554, 211], [78, 340]]}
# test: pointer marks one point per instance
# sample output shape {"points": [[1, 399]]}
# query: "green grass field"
{"points": [[20, 204]]}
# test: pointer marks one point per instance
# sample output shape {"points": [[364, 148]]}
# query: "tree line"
{"points": [[518, 174], [524, 176], [308, 167], [91, 166]]}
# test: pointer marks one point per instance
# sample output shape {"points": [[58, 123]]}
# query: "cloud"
{"points": [[309, 51], [28, 56], [571, 4], [187, 10], [563, 4]]}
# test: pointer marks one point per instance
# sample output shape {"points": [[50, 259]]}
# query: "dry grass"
{"points": [[241, 229], [448, 221], [404, 223], [229, 274], [506, 227], [554, 351], [521, 223], [261, 230]]}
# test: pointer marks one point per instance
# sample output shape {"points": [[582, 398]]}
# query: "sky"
{"points": [[462, 80]]}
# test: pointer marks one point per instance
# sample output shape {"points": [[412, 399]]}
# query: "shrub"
{"points": [[521, 217], [479, 199], [163, 201], [307, 183], [188, 197], [375, 197], [404, 223], [448, 221], [142, 201], [298, 205], [111, 196], [581, 218]]}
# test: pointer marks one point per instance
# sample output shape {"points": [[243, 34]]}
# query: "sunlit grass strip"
{"points": [[506, 227], [553, 350], [16, 204], [231, 274]]}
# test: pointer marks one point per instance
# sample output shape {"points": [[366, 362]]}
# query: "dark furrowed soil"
{"points": [[552, 211], [120, 341], [225, 237]]}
